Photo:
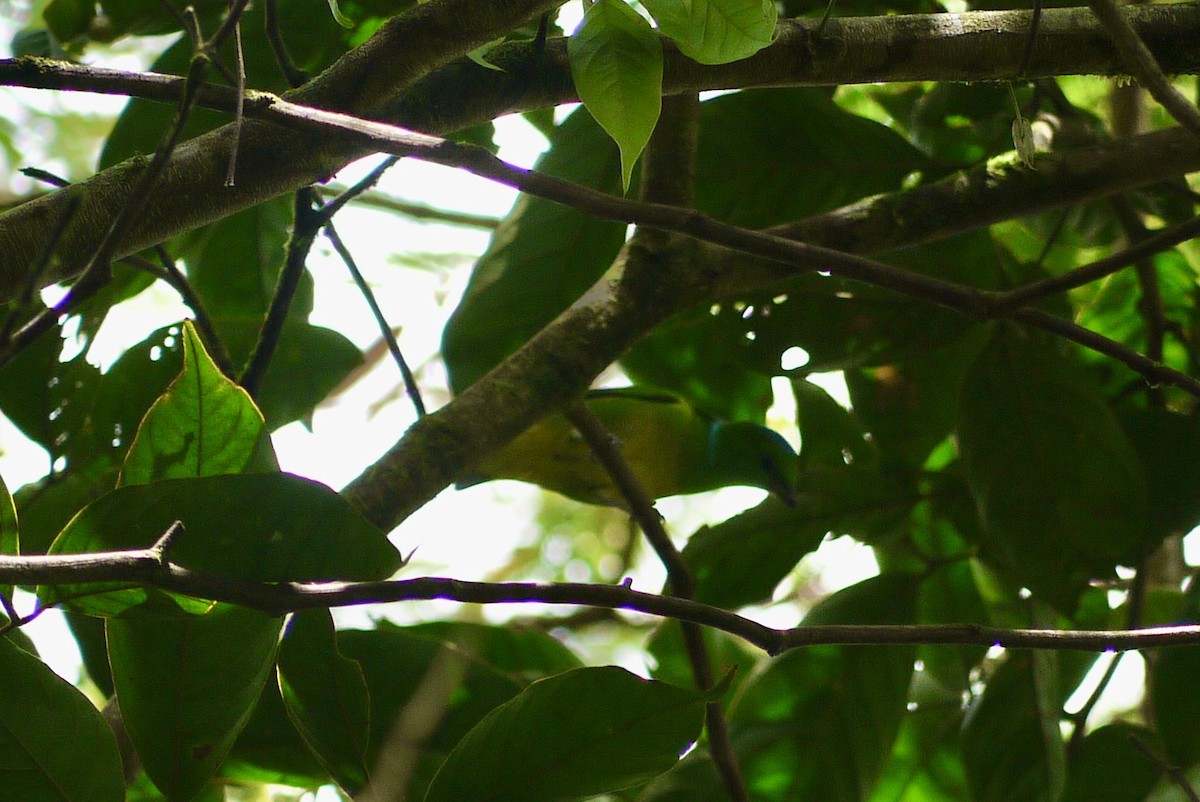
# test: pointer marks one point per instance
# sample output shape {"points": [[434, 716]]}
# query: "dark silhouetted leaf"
{"points": [[326, 696], [1059, 489], [166, 666], [38, 759], [571, 736], [820, 722], [271, 527]]}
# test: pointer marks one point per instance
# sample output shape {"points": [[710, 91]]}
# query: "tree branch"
{"points": [[146, 568], [373, 80]]}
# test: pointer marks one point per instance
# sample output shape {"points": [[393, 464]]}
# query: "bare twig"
{"points": [[142, 567], [239, 109], [385, 331], [1141, 62], [291, 73], [306, 225], [1141, 249], [1174, 772]]}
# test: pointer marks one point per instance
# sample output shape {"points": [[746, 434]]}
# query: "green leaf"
{"points": [[10, 542], [166, 668], [830, 435], [617, 64], [89, 637], [716, 31], [926, 761], [1109, 766], [1175, 708], [819, 157], [271, 527], [543, 257], [54, 745], [468, 669], [309, 362], [1059, 490], [68, 19], [326, 697], [702, 357], [269, 749], [1166, 443], [148, 19], [234, 266], [44, 507], [741, 560], [1005, 738], [204, 425], [574, 735], [820, 722]]}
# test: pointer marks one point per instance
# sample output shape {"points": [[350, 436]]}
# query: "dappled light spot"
{"points": [[793, 358]]}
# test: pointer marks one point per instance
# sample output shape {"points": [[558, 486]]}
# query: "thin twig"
{"points": [[142, 568], [238, 112], [204, 322], [1034, 22], [1101, 268], [1135, 604], [606, 448], [291, 73], [410, 381], [369, 180], [1141, 62], [420, 211], [1174, 772], [305, 227]]}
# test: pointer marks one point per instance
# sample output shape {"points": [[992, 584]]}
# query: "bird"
{"points": [[672, 447]]}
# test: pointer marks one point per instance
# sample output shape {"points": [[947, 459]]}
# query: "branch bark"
{"points": [[149, 568], [405, 74]]}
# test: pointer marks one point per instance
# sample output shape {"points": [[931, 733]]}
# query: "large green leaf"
{"points": [[10, 543], [541, 259], [309, 362], [1175, 708], [617, 66], [326, 696], [466, 670], [54, 745], [830, 435], [911, 405], [204, 425], [269, 749], [1167, 444], [1059, 490], [1110, 766], [271, 527], [572, 736], [769, 157], [716, 31], [1007, 743], [926, 760], [187, 685], [740, 561], [820, 722], [772, 156]]}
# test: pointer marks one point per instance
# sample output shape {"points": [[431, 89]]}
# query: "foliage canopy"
{"points": [[957, 217]]}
